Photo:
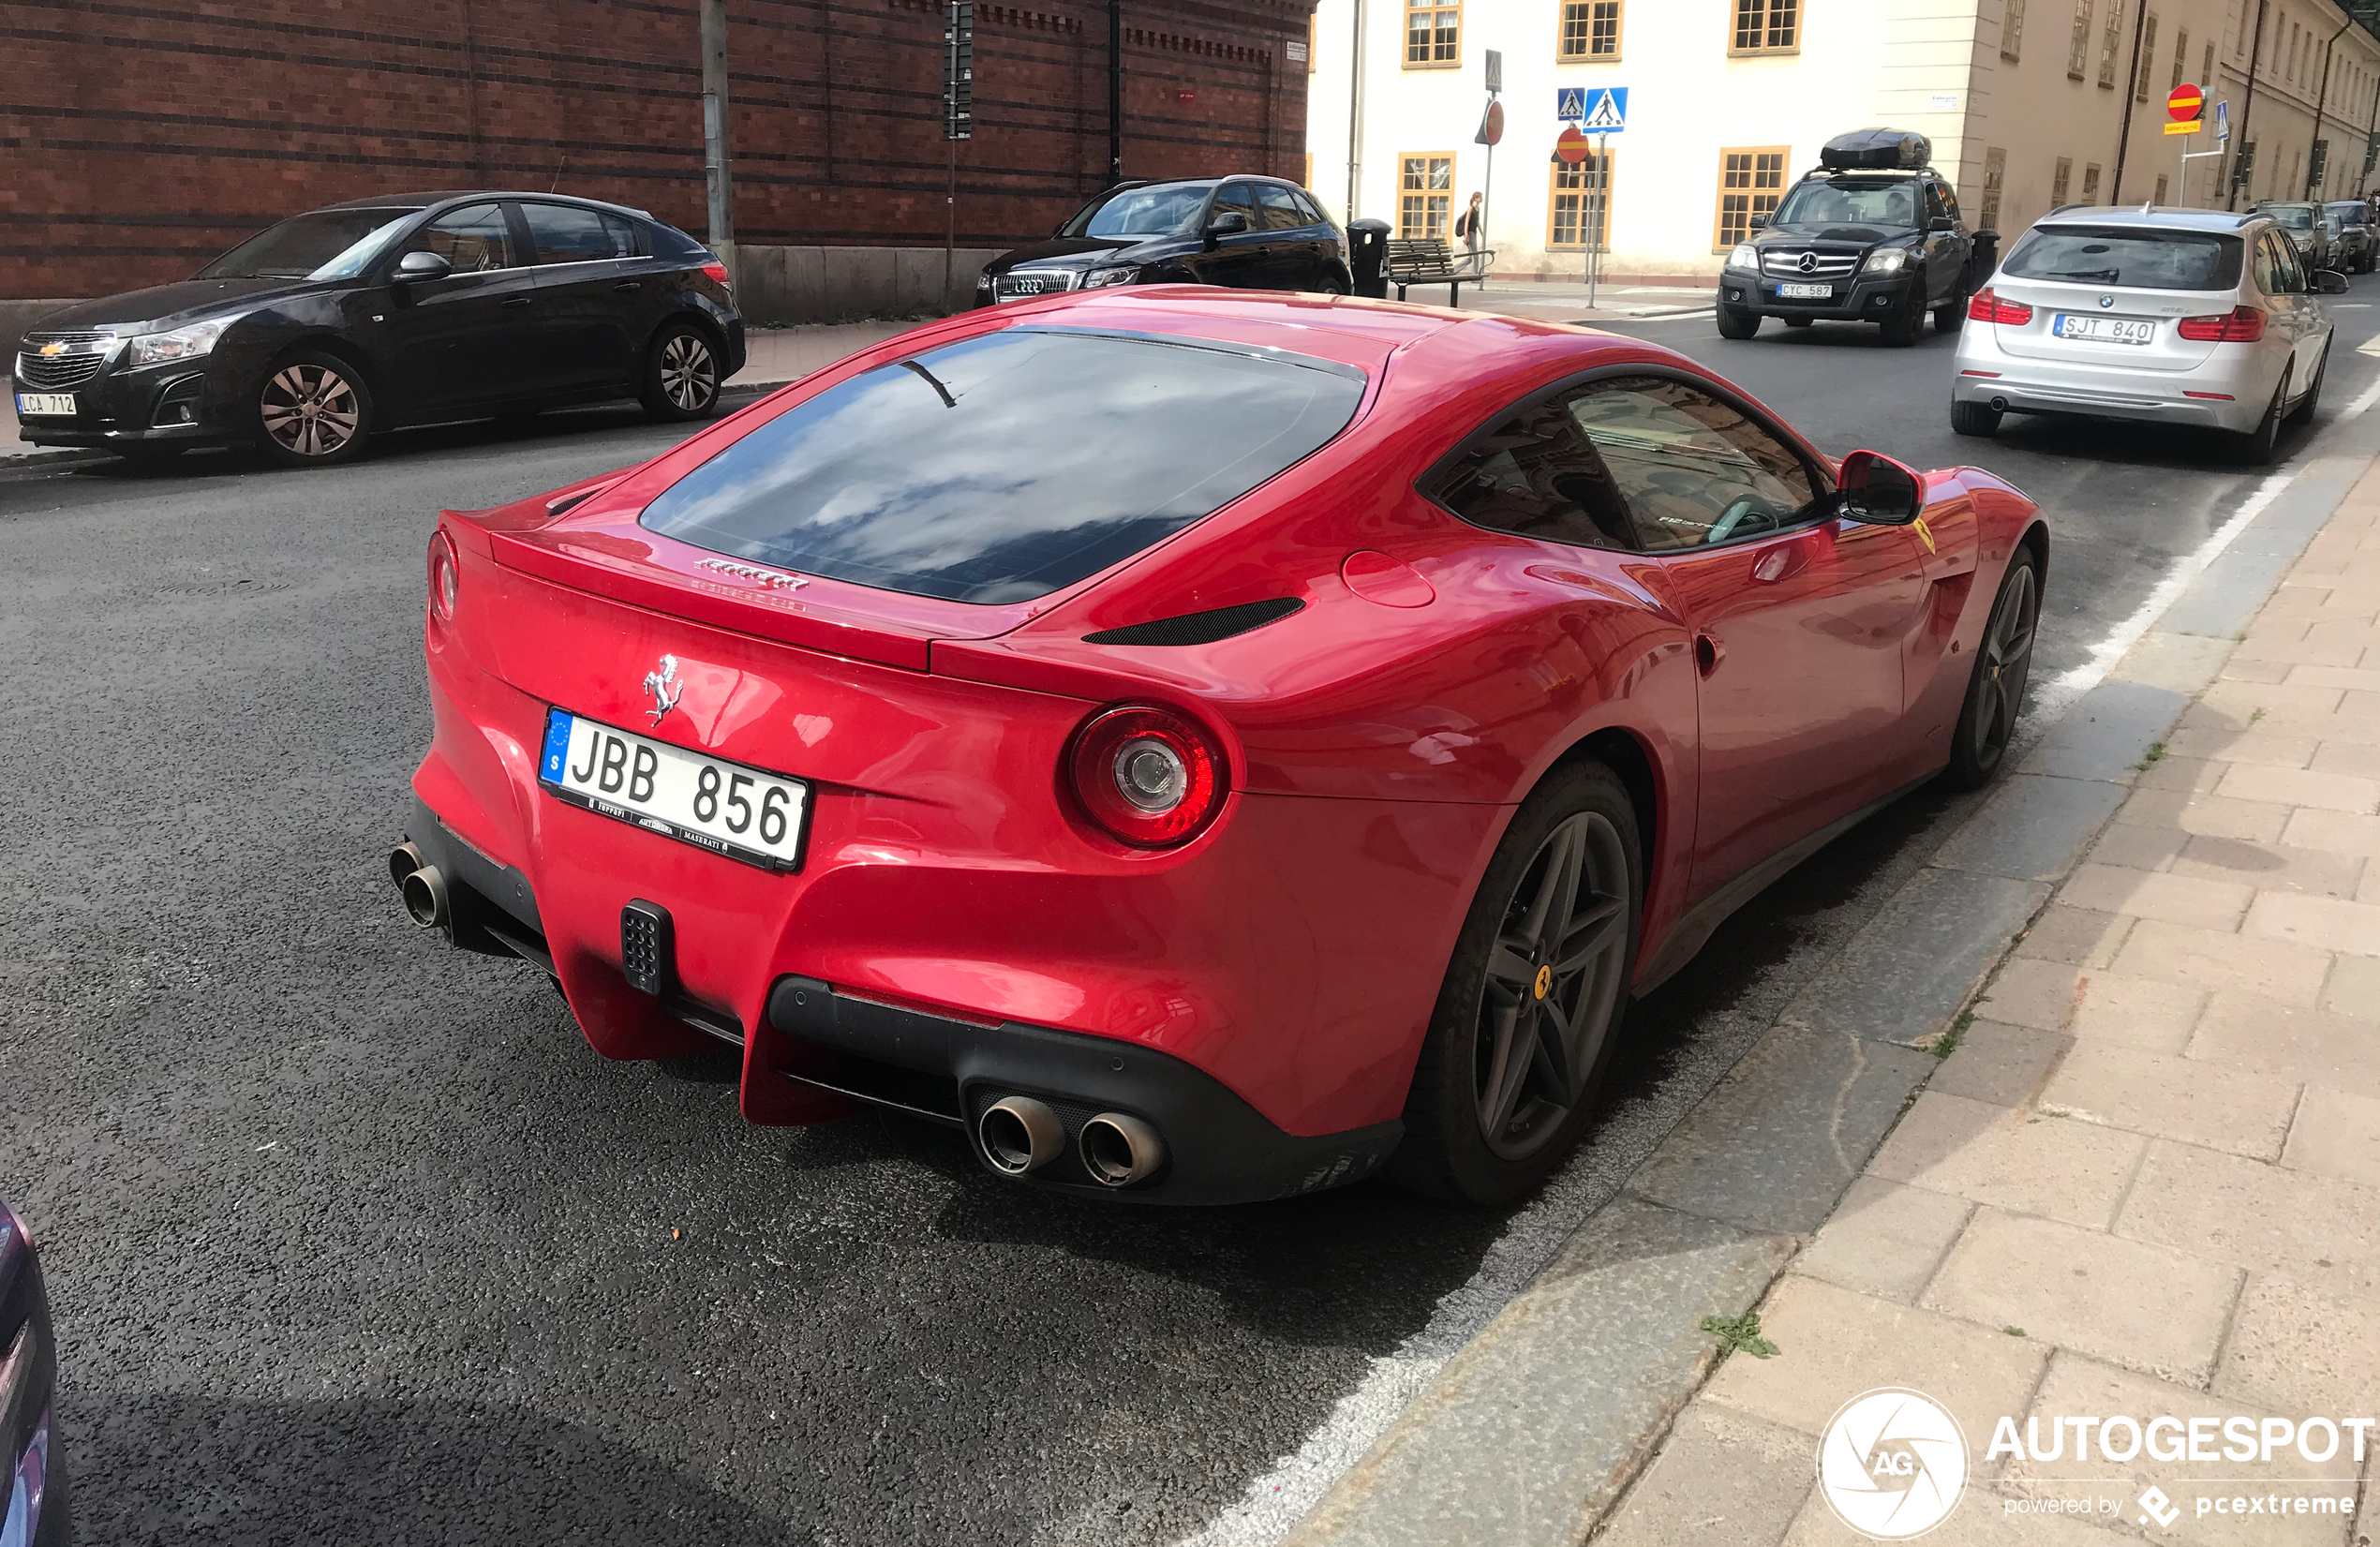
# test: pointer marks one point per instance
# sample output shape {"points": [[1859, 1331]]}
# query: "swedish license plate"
{"points": [[743, 813], [45, 401], [2104, 330], [1805, 292]]}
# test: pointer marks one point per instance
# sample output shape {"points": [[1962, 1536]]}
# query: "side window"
{"points": [[1280, 212], [1935, 208], [1950, 201], [1312, 211], [1236, 199], [562, 234], [1537, 474], [1690, 469], [623, 232], [472, 239], [2292, 273]]}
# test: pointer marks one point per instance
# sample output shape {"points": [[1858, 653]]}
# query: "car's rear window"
{"points": [[1008, 466], [2128, 258]]}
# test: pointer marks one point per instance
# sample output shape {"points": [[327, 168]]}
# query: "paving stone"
{"points": [[2353, 989], [2337, 1134], [2002, 1064], [2236, 670], [2210, 814], [2177, 953], [2241, 744], [2270, 867], [2339, 631], [2028, 992], [2108, 729], [2245, 698], [2076, 1385], [1910, 968], [2299, 651], [1885, 1239], [2340, 758], [2144, 1307], [2331, 792], [1719, 1476], [2220, 1106], [2138, 845], [2324, 923], [2199, 775], [2313, 1047], [2145, 894], [2031, 829], [1775, 1144], [2080, 936], [2297, 1349], [2334, 832], [1983, 1519], [2012, 1159], [2320, 1229], [2163, 658], [1835, 1344], [2090, 1003], [2318, 676]]}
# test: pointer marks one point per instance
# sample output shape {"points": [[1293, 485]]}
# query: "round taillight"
{"points": [[445, 574], [1151, 776]]}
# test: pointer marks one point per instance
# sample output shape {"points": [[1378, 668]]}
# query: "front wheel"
{"points": [[1529, 1014], [681, 374], [313, 411], [1900, 328], [1995, 690], [1951, 314], [1737, 324]]}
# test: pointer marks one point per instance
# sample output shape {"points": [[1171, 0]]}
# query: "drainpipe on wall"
{"points": [[717, 177], [1355, 106], [2132, 89], [1115, 91], [2248, 108], [2322, 100]]}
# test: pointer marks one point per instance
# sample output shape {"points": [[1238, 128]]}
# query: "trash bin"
{"points": [[1982, 261], [1367, 250]]}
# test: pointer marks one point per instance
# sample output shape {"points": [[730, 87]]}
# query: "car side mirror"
{"points": [[2329, 282], [1230, 223], [1757, 223], [1941, 223], [1877, 491], [423, 266]]}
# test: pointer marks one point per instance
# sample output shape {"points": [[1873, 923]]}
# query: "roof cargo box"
{"points": [[1876, 148]]}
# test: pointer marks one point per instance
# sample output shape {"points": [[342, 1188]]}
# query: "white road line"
{"points": [[2371, 396]]}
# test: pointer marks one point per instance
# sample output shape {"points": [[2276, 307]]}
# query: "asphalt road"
{"points": [[352, 1238]]}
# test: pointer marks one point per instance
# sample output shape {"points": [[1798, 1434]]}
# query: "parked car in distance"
{"points": [[2180, 316], [2355, 238], [33, 1471], [1246, 742], [1250, 234], [1873, 235], [2301, 221], [315, 335]]}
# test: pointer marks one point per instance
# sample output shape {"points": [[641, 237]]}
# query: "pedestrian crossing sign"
{"points": [[1606, 110], [1569, 105]]}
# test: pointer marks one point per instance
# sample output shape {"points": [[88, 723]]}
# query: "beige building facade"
{"points": [[2026, 102]]}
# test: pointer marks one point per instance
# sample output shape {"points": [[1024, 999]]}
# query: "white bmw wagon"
{"points": [[2183, 317]]}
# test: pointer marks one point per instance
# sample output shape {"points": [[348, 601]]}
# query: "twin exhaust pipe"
{"points": [[1019, 1135], [421, 887]]}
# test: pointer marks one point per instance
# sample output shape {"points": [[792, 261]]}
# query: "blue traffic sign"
{"points": [[1569, 105], [1606, 110], [2223, 122]]}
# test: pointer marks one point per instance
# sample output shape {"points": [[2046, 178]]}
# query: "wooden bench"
{"points": [[1428, 260]]}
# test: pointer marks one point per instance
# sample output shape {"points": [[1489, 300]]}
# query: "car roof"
{"points": [[2150, 218], [448, 196]]}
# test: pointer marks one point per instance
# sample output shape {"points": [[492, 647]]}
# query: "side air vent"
{"points": [[1199, 627]]}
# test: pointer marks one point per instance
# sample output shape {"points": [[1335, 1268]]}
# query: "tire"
{"points": [[1799, 321], [681, 374], [2257, 447], [1996, 687], [1900, 329], [314, 411], [1952, 315], [1506, 985], [2303, 412], [1737, 324], [1975, 419]]}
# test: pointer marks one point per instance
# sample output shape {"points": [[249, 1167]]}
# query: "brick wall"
{"points": [[139, 140]]}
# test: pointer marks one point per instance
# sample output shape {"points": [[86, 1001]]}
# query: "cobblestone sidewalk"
{"points": [[2147, 1179]]}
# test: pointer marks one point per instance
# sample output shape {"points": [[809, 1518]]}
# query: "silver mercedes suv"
{"points": [[2186, 317]]}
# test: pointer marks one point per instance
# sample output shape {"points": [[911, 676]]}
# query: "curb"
{"points": [[1532, 1432]]}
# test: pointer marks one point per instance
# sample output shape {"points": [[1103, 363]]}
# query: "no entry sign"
{"points": [[2184, 103]]}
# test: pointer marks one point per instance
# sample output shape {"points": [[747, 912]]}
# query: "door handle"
{"points": [[629, 285], [518, 301]]}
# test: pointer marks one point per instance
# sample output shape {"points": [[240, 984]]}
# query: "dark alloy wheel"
{"points": [[1995, 690], [681, 374], [1528, 1019], [313, 411], [1737, 324]]}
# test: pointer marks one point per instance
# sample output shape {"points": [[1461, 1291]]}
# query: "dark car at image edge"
{"points": [[1241, 231], [33, 1477], [308, 338]]}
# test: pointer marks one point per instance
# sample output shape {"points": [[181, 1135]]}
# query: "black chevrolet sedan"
{"points": [[1255, 234], [415, 308]]}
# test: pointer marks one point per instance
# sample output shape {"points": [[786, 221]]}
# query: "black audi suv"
{"points": [[1256, 233], [414, 308]]}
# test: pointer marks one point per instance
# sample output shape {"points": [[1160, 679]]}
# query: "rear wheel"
{"points": [[2257, 447], [1975, 419], [1996, 692], [2303, 412], [681, 374], [313, 410], [1530, 1011], [1737, 324]]}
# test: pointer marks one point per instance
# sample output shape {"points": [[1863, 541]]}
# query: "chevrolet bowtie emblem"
{"points": [[54, 349]]}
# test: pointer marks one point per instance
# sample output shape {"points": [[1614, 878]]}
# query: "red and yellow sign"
{"points": [[2183, 105]]}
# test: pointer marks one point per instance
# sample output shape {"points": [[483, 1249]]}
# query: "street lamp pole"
{"points": [[717, 179], [2248, 108]]}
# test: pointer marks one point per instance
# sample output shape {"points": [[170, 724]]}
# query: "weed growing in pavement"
{"points": [[2013, 1332], [1948, 1042], [2255, 715], [2150, 759], [1739, 1332]]}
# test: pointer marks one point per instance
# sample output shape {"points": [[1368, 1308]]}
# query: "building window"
{"points": [[1750, 182], [2109, 42], [2091, 184], [2159, 196], [1766, 26], [2147, 58], [1433, 35], [1995, 172], [2078, 48], [1580, 198], [1590, 30], [2207, 71], [2060, 180], [1425, 195], [2181, 55], [2011, 29]]}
